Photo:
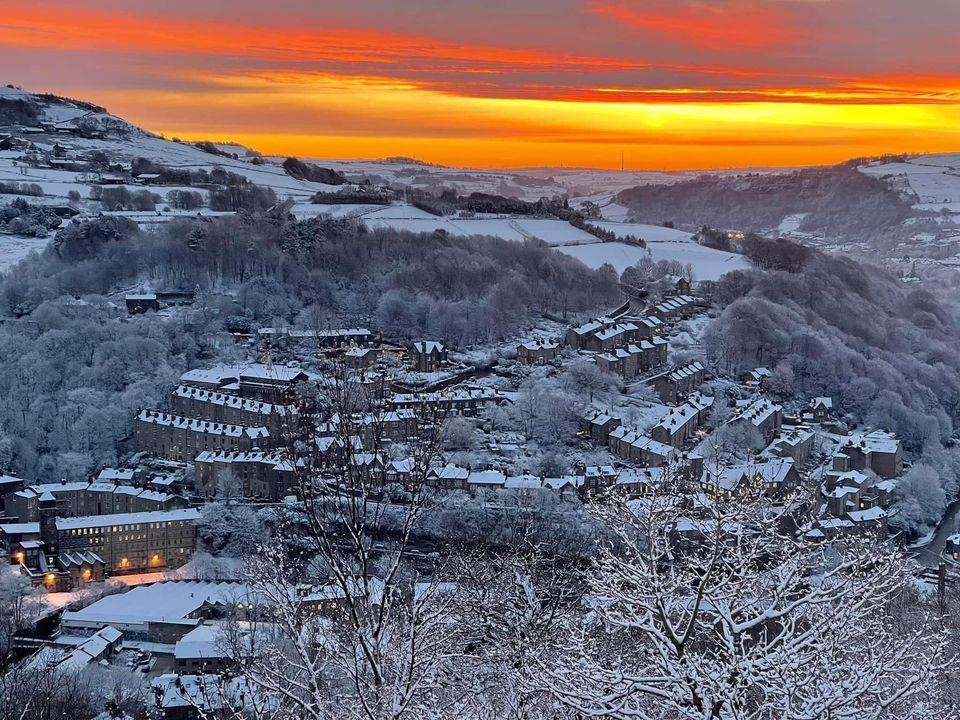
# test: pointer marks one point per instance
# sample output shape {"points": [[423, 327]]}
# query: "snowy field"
{"points": [[935, 179], [526, 184], [650, 233], [708, 264], [400, 216], [14, 248]]}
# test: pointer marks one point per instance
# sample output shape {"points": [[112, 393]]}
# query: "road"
{"points": [[930, 556]]}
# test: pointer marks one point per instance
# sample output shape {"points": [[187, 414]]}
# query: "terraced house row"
{"points": [[181, 438]]}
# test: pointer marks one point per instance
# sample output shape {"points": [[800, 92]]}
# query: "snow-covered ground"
{"points": [[650, 233], [400, 216], [935, 179], [708, 264], [14, 248]]}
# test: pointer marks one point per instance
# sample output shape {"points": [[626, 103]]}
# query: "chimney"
{"points": [[47, 509]]}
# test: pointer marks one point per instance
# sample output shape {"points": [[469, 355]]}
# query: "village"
{"points": [[226, 430]]}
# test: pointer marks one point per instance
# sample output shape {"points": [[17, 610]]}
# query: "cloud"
{"points": [[723, 25], [713, 74]]}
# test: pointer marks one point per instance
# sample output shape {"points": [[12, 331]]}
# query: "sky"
{"points": [[655, 84]]}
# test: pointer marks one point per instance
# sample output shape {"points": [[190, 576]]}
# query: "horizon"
{"points": [[672, 86]]}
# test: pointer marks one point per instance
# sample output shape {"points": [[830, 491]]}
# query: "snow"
{"points": [[9, 92], [935, 179], [203, 641], [160, 602], [551, 231], [90, 521], [708, 264], [649, 233], [14, 248]]}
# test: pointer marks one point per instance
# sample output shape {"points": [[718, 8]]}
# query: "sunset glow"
{"points": [[679, 84]]}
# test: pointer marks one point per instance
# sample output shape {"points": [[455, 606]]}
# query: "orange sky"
{"points": [[669, 83]]}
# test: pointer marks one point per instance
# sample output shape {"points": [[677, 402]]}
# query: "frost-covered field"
{"points": [[400, 216], [662, 243], [935, 179], [708, 264], [650, 233], [14, 248]]}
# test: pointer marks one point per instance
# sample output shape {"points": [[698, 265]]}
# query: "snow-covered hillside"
{"points": [[931, 181], [65, 152], [707, 263]]}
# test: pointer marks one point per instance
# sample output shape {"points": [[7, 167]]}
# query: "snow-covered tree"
{"points": [[349, 631], [722, 611], [919, 499]]}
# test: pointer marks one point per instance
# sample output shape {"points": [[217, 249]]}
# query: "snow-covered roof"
{"points": [[273, 459], [158, 417], [236, 402], [840, 491], [113, 474], [255, 372], [758, 412], [653, 447], [427, 347], [869, 515], [28, 528], [140, 518], [523, 482], [534, 345], [678, 417], [361, 352], [203, 642], [646, 476], [453, 472], [49, 491], [588, 328], [206, 692], [270, 373], [877, 441], [161, 602], [486, 477]]}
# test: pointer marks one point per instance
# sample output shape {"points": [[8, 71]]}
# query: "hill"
{"points": [[831, 205]]}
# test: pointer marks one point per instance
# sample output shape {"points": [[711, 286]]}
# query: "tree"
{"points": [[386, 650], [230, 529], [920, 499], [459, 433], [584, 377], [727, 612], [19, 602]]}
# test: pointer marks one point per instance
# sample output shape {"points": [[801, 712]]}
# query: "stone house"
{"points": [[428, 356]]}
